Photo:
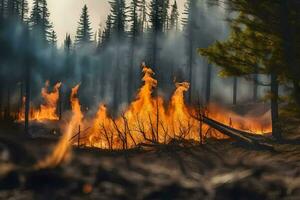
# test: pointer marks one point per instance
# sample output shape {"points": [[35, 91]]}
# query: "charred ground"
{"points": [[219, 169]]}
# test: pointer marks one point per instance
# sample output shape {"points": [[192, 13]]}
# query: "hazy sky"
{"points": [[65, 14]]}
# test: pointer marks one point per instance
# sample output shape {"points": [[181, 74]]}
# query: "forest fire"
{"points": [[48, 110], [148, 120]]}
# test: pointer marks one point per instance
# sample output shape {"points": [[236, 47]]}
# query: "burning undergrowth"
{"points": [[48, 110], [146, 121]]}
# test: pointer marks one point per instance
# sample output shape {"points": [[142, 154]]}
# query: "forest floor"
{"points": [[217, 170]]}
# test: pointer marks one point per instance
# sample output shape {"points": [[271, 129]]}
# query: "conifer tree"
{"points": [[174, 18], [2, 8], [99, 38], [106, 35], [135, 30], [190, 27], [118, 17], [68, 44], [165, 14], [24, 10], [143, 15], [53, 39], [12, 8], [261, 42], [156, 18], [39, 20], [84, 30]]}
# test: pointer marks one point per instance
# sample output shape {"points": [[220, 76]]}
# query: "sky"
{"points": [[64, 14]]}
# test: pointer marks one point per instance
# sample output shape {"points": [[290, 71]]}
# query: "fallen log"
{"points": [[238, 135]]}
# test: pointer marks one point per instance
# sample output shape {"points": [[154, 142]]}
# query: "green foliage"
{"points": [[68, 43], [135, 28], [14, 9], [118, 18], [106, 35], [256, 43], [39, 20], [53, 39], [264, 40], [143, 15], [84, 30], [157, 15]]}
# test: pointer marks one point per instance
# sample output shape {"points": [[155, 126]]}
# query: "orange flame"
{"points": [[63, 147], [47, 110], [147, 120]]}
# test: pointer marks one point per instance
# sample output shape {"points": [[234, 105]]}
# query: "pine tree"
{"points": [[135, 30], [156, 18], [39, 20], [46, 25], [143, 15], [24, 10], [35, 16], [99, 39], [68, 44], [165, 14], [190, 26], [12, 8], [2, 8], [53, 39], [118, 18], [84, 30], [174, 18], [258, 44], [106, 35]]}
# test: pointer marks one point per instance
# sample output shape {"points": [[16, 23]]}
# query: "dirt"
{"points": [[216, 170]]}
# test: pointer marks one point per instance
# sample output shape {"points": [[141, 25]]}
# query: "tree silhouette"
{"points": [[84, 30], [39, 21], [174, 17]]}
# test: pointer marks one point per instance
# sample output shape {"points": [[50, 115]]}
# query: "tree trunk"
{"points": [[1, 98], [60, 103], [1, 110], [235, 82], [23, 10], [289, 49], [190, 64], [7, 113], [21, 99], [27, 96], [276, 131], [255, 88], [102, 83], [117, 97], [208, 83], [130, 81]]}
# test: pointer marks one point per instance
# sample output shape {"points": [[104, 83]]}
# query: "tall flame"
{"points": [[147, 120], [62, 149], [47, 110]]}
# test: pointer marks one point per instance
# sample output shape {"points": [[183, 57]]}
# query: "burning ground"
{"points": [[218, 169]]}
